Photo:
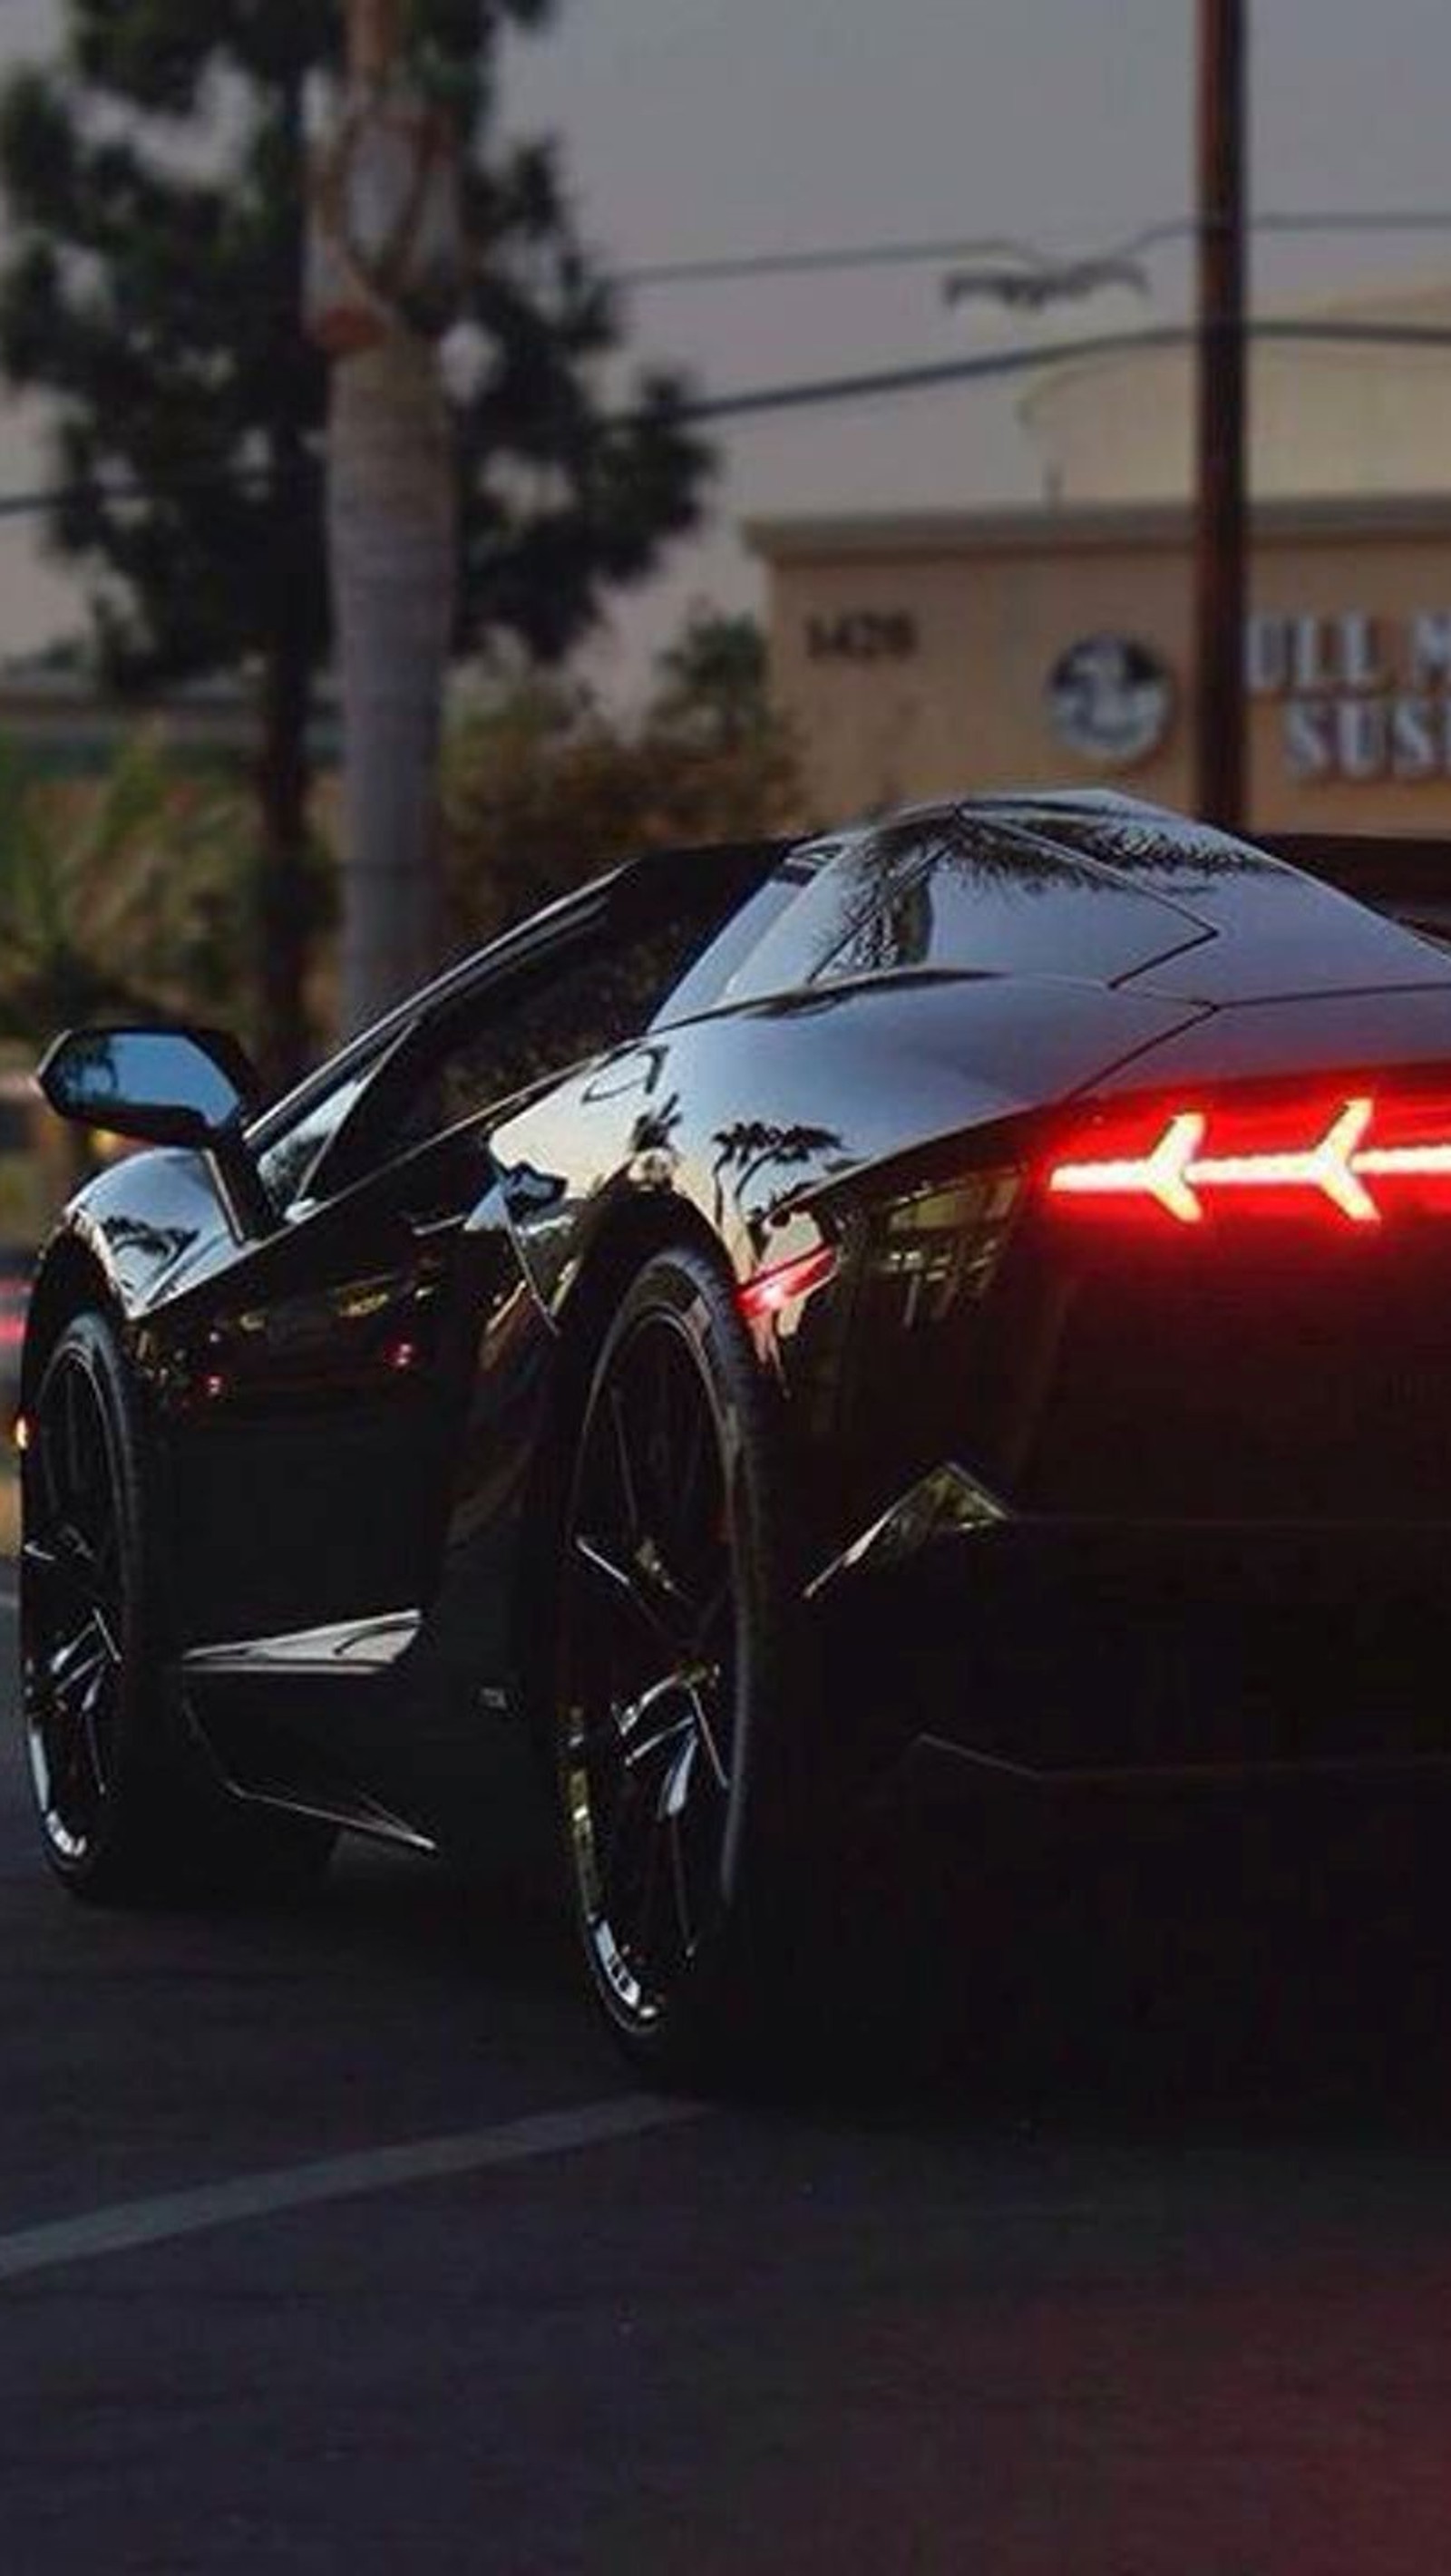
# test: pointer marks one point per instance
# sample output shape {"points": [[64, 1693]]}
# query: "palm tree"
{"points": [[388, 228], [391, 527]]}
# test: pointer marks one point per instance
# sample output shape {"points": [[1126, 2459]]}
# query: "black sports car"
{"points": [[968, 1294]]}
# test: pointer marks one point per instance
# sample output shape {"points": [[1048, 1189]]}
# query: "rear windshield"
{"points": [[955, 897]]}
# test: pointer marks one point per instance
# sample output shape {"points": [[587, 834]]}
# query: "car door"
{"points": [[363, 1387], [330, 1369], [322, 1374]]}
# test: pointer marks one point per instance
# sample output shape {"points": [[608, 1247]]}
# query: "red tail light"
{"points": [[767, 1292], [1351, 1159]]}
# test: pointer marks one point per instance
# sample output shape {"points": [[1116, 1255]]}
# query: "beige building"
{"points": [[925, 653]]}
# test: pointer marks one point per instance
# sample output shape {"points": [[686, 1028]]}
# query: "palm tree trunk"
{"points": [[284, 911], [284, 901], [392, 525]]}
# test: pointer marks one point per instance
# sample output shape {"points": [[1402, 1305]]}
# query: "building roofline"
{"points": [[1085, 527]]}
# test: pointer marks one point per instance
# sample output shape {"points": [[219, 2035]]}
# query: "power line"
{"points": [[1423, 219], [788, 263], [821, 392], [1000, 363], [936, 251]]}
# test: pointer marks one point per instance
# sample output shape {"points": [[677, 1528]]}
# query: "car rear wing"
{"points": [[1404, 875]]}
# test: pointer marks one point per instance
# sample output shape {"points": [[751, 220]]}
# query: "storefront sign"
{"points": [[1110, 700], [1361, 697]]}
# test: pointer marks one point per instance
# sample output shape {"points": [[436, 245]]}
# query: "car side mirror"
{"points": [[181, 1086]]}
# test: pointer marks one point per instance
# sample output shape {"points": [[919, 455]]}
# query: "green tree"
{"points": [[119, 895], [714, 683], [156, 181], [543, 788]]}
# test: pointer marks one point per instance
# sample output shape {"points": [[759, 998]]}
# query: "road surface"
{"points": [[340, 2241]]}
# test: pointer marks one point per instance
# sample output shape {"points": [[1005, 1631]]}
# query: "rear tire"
{"points": [[675, 1739], [128, 1811]]}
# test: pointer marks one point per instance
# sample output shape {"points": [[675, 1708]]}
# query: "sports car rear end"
{"points": [[1148, 1432]]}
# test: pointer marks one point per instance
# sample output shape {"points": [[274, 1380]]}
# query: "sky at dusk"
{"points": [[702, 127]]}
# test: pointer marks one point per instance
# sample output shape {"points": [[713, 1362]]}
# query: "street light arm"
{"points": [[1032, 289]]}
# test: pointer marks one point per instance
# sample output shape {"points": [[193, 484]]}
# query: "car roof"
{"points": [[640, 880], [1238, 923], [1264, 927]]}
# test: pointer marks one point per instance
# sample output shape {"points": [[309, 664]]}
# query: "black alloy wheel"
{"points": [[666, 1674], [78, 1610], [129, 1812]]}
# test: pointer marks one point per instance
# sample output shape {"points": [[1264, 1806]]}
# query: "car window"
{"points": [[761, 927], [963, 897], [831, 888], [561, 1015], [585, 995], [287, 1164]]}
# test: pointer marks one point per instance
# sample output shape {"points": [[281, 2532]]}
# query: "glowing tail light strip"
{"points": [[767, 1292], [1176, 1172]]}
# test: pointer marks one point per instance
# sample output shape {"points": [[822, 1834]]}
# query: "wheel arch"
{"points": [[640, 1226], [621, 1243], [70, 1278]]}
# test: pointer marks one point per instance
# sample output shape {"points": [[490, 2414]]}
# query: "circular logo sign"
{"points": [[1110, 700]]}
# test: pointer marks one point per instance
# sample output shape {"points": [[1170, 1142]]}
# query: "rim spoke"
{"points": [[706, 1734], [663, 1738], [648, 1608], [75, 1609], [621, 1587], [106, 1631], [73, 1663], [80, 1572], [675, 1788], [625, 1468], [676, 1593], [90, 1731]]}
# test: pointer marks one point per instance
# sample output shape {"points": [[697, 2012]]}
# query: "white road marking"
{"points": [[129, 2223]]}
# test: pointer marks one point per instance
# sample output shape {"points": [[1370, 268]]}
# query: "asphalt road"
{"points": [[1154, 2277]]}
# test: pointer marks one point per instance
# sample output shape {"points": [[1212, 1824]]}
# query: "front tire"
{"points": [[128, 1813], [674, 1737]]}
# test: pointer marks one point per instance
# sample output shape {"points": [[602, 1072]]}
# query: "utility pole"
{"points": [[386, 265], [1220, 578]]}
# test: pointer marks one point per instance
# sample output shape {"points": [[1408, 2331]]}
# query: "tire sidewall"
{"points": [[89, 1342], [715, 1994]]}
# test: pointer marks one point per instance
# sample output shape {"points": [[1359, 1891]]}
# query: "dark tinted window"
{"points": [[288, 1163], [768, 931], [970, 898], [579, 1006], [589, 992], [816, 887]]}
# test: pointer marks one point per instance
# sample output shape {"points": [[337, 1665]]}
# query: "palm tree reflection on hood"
{"points": [[755, 1146]]}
